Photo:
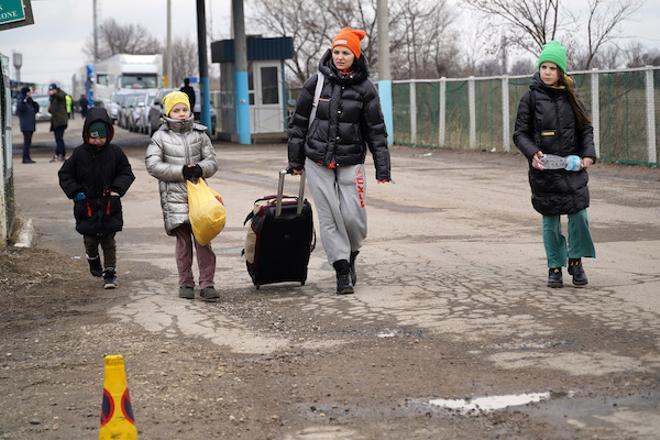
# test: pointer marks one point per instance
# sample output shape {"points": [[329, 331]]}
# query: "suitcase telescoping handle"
{"points": [[280, 193]]}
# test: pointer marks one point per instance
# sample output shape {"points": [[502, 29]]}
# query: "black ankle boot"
{"points": [[554, 278], [575, 268], [354, 255], [343, 269], [95, 267]]}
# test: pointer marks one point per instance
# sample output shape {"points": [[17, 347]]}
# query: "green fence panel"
{"points": [[488, 101], [622, 101], [401, 112], [457, 115], [517, 88], [656, 93], [428, 111]]}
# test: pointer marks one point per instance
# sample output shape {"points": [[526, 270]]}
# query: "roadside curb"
{"points": [[25, 234]]}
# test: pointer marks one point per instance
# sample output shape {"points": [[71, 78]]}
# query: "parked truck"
{"points": [[122, 72]]}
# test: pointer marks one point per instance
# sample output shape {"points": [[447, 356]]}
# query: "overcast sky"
{"points": [[52, 47]]}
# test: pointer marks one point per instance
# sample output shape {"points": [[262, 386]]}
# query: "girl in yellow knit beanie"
{"points": [[181, 150]]}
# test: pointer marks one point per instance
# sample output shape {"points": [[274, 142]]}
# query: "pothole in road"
{"points": [[489, 403]]}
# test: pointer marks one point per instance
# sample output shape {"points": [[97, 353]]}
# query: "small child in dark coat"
{"points": [[95, 176]]}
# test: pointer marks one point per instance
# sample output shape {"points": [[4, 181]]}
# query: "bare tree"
{"points": [[603, 19], [184, 59], [522, 66], [313, 24], [638, 56], [115, 38], [532, 22]]}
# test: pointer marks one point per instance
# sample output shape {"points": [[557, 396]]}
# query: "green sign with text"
{"points": [[14, 13]]}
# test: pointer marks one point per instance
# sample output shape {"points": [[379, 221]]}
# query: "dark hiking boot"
{"points": [[554, 278], [110, 278], [186, 292], [95, 267], [577, 271], [343, 269], [354, 255], [209, 294]]}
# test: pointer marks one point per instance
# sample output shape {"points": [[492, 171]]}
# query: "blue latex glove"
{"points": [[80, 196]]}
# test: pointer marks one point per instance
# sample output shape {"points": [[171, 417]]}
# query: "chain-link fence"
{"points": [[480, 113]]}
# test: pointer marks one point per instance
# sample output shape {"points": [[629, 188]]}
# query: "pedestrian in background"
{"points": [[552, 120], [58, 120], [190, 91], [27, 109], [181, 150], [69, 105], [83, 104], [96, 176], [332, 150]]}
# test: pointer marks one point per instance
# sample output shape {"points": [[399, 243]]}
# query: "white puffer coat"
{"points": [[173, 145]]}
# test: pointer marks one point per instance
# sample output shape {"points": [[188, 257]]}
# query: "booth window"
{"points": [[269, 86]]}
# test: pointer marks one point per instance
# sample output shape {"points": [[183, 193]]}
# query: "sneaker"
{"points": [[53, 159], [343, 270], [186, 292], [209, 294], [95, 267], [554, 278], [354, 255], [28, 160], [576, 269], [110, 278]]}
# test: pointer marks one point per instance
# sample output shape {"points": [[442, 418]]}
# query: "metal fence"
{"points": [[6, 170], [479, 113]]}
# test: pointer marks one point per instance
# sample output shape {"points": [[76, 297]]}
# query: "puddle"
{"points": [[387, 333], [489, 403]]}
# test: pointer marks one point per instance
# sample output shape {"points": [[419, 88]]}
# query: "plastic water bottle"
{"points": [[569, 163]]}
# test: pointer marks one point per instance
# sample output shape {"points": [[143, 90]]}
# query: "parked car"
{"points": [[126, 110], [44, 102], [141, 111], [114, 106], [156, 110]]}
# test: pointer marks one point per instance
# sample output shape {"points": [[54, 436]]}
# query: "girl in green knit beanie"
{"points": [[552, 120]]}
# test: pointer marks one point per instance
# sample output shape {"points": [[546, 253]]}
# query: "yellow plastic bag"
{"points": [[206, 211]]}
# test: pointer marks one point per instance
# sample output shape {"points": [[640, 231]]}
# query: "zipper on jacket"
{"points": [[185, 149]]}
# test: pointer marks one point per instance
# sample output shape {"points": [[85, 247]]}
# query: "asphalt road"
{"points": [[451, 304]]}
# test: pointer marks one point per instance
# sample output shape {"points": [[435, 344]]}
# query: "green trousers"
{"points": [[580, 244]]}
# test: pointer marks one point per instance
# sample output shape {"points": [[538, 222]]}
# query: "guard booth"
{"points": [[266, 84]]}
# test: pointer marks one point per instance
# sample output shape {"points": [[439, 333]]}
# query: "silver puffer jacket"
{"points": [[173, 145]]}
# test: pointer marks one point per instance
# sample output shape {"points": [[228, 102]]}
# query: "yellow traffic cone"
{"points": [[117, 422]]}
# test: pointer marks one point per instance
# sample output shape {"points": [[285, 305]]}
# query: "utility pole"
{"points": [[168, 49], [384, 75], [203, 65], [96, 35], [241, 91], [505, 61]]}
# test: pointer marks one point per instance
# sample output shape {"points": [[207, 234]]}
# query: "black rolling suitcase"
{"points": [[280, 237]]}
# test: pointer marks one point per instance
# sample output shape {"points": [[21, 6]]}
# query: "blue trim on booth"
{"points": [[206, 102], [242, 108], [385, 94]]}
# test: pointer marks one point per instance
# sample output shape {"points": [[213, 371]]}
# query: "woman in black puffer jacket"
{"points": [[552, 120], [332, 149]]}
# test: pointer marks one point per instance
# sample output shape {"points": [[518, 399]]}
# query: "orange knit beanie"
{"points": [[350, 38]]}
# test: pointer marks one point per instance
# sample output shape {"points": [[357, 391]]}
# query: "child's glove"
{"points": [[80, 196], [192, 173]]}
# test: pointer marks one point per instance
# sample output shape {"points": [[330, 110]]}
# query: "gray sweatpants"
{"points": [[339, 196]]}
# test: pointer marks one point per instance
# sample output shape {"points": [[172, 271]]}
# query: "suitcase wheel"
{"points": [[257, 286]]}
